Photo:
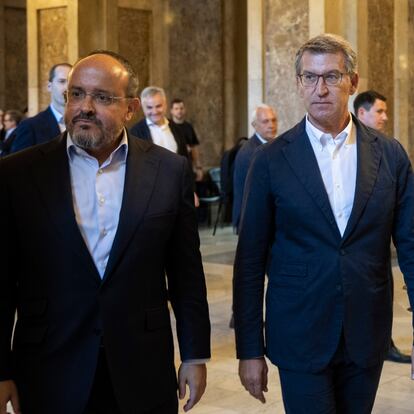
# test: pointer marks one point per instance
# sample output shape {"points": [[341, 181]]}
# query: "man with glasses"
{"points": [[111, 221], [49, 123], [321, 203]]}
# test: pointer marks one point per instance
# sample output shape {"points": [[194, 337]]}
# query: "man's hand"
{"points": [[8, 392], [196, 378], [253, 376]]}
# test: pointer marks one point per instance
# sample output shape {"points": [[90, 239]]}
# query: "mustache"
{"points": [[86, 117]]}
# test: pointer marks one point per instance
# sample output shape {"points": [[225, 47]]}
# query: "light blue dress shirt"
{"points": [[97, 197]]}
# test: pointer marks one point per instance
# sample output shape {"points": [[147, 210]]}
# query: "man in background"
{"points": [[370, 107], [155, 126], [49, 123], [264, 122], [178, 114]]}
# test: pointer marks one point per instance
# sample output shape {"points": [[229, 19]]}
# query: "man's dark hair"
{"points": [[366, 100], [176, 101], [14, 115], [53, 69], [133, 82]]}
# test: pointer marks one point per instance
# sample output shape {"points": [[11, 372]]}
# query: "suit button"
{"points": [[97, 331], [343, 252], [339, 288]]}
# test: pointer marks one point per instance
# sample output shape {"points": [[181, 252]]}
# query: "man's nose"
{"points": [[321, 88], [87, 104]]}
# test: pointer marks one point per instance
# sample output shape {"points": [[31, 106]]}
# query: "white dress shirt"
{"points": [[162, 135], [337, 160], [59, 118], [97, 197]]}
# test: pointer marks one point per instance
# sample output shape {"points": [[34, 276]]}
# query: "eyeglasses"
{"points": [[75, 96], [309, 79]]}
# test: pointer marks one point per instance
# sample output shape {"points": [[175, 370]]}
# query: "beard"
{"points": [[92, 137]]}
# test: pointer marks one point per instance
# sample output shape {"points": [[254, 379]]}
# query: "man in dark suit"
{"points": [[49, 123], [12, 119], [264, 122], [370, 107], [322, 202], [155, 126], [111, 217]]}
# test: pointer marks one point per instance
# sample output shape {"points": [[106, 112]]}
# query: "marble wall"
{"points": [[196, 69], [53, 46], [285, 29], [15, 74], [380, 52]]}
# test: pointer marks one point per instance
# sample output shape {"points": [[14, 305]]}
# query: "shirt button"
{"points": [[101, 200], [339, 215], [100, 171], [104, 232]]}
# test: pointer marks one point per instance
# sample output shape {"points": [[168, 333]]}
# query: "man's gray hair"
{"points": [[258, 107], [328, 43], [151, 91]]}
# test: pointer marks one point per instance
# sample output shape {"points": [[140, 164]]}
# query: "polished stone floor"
{"points": [[224, 393]]}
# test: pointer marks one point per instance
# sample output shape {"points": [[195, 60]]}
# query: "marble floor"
{"points": [[225, 395]]}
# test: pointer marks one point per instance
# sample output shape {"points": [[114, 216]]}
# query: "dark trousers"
{"points": [[341, 388], [102, 399]]}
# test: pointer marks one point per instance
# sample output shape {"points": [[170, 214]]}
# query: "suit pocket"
{"points": [[290, 275], [29, 335], [32, 308], [157, 318]]}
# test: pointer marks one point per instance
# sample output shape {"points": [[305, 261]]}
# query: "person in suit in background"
{"points": [[321, 204], [49, 123], [264, 122], [155, 126], [370, 107], [111, 218], [11, 120], [2, 131]]}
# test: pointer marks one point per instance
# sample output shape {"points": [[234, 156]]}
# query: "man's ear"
{"points": [[133, 106], [49, 86], [354, 83]]}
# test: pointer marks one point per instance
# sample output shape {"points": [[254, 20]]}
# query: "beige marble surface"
{"points": [[285, 29], [53, 46]]}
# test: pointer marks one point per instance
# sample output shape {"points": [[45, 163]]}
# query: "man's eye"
{"points": [[76, 94], [309, 77], [331, 77], [102, 98]]}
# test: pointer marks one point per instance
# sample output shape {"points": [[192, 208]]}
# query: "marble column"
{"points": [[13, 55], [286, 27]]}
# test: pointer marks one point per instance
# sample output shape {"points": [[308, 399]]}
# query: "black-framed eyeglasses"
{"points": [[74, 96], [309, 79]]}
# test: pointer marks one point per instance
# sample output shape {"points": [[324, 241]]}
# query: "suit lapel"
{"points": [[54, 184], [299, 154], [141, 174], [368, 161]]}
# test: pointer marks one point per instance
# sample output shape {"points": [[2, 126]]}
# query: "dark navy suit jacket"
{"points": [[241, 166], [141, 130], [65, 310], [36, 130], [321, 285]]}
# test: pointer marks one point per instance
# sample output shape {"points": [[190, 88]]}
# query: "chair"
{"points": [[216, 196]]}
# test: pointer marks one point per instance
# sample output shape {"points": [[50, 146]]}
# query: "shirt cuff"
{"points": [[196, 361]]}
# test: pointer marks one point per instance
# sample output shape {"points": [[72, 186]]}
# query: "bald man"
{"points": [[110, 216]]}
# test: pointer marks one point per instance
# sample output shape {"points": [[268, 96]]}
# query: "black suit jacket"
{"points": [[36, 130], [141, 130], [6, 145], [65, 310], [321, 284]]}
